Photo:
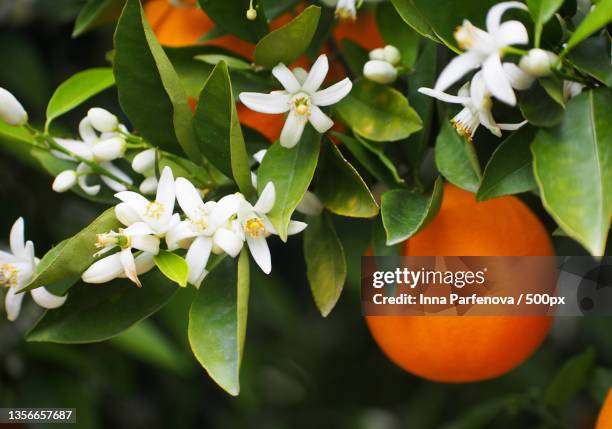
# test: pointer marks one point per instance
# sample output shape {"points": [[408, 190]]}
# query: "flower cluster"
{"points": [[217, 227], [484, 51], [17, 269], [382, 66]]}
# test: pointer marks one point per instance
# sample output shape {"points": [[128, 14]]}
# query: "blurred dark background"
{"points": [[299, 370]]}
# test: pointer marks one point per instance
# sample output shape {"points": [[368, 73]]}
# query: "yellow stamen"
{"points": [[8, 275], [154, 210], [302, 105], [464, 36], [255, 227]]}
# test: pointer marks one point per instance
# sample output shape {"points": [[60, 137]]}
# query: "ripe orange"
{"points": [[604, 421], [468, 348]]}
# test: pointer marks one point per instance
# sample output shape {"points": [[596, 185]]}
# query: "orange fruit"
{"points": [[468, 348], [604, 421]]}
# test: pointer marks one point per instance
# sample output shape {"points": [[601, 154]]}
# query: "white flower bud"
{"points": [[251, 14], [109, 149], [11, 110], [102, 120], [380, 71], [392, 54], [64, 181], [144, 162], [538, 62], [378, 54], [148, 186]]}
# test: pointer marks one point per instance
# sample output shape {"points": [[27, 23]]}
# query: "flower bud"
{"points": [[538, 62], [380, 71], [144, 162], [64, 181], [11, 110], [392, 54], [378, 54], [251, 14], [109, 149], [148, 186], [102, 120]]}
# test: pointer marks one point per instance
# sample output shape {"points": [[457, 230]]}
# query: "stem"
{"points": [[513, 50], [538, 35]]}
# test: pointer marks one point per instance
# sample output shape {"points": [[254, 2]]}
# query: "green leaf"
{"points": [[480, 415], [218, 129], [325, 262], [354, 55], [231, 17], [217, 321], [95, 313], [96, 13], [396, 32], [413, 17], [571, 378], [404, 213], [232, 62], [172, 266], [600, 16], [291, 171], [340, 188], [77, 89], [150, 91], [510, 168], [456, 159], [600, 383], [539, 108], [573, 169], [287, 43], [554, 88], [378, 112], [20, 134], [73, 256], [372, 159], [541, 11], [593, 58]]}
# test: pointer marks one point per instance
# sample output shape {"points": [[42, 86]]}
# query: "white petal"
{"points": [[496, 80], [457, 68], [102, 120], [76, 147], [317, 74], [292, 130], [144, 263], [117, 172], [225, 208], [260, 252], [129, 266], [380, 71], [144, 162], [16, 238], [266, 200], [259, 155], [64, 181], [286, 78], [486, 119], [197, 258], [147, 243], [319, 120], [109, 149], [254, 180], [46, 299], [7, 258], [113, 184], [295, 227], [273, 103], [11, 110], [512, 33], [189, 199], [443, 96], [126, 214], [136, 201], [12, 303], [518, 78], [310, 205], [511, 127], [180, 236], [228, 241], [166, 191], [104, 270], [148, 186], [494, 15], [83, 169], [479, 92], [332, 94], [87, 132], [300, 74], [138, 228]]}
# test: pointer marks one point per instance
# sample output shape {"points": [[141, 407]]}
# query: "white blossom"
{"points": [[301, 97], [538, 62], [11, 110], [64, 181], [103, 120], [380, 71], [17, 268]]}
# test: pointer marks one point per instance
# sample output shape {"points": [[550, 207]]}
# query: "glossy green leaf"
{"points": [[510, 168], [232, 62], [573, 168], [571, 378], [554, 88], [150, 91], [539, 108], [75, 255], [396, 32], [217, 321], [218, 129], [600, 16], [95, 313], [20, 134], [78, 89], [230, 16], [291, 171], [172, 266], [340, 188], [456, 159], [404, 213], [96, 13], [413, 17], [287, 43], [541, 11], [325, 262], [378, 112], [593, 58]]}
